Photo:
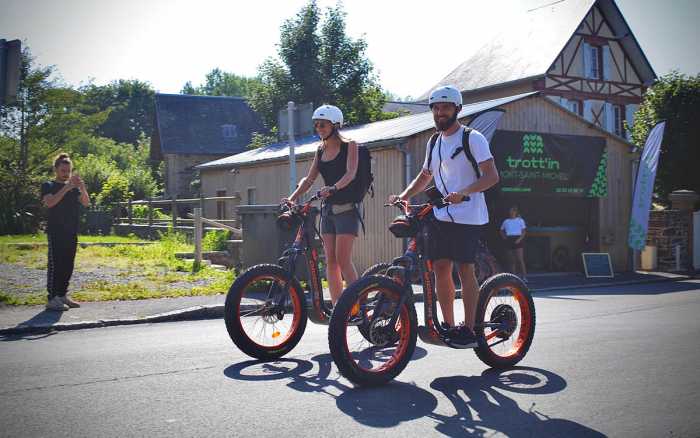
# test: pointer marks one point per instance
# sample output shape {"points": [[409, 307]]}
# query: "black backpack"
{"points": [[358, 188], [362, 184], [491, 192], [465, 148]]}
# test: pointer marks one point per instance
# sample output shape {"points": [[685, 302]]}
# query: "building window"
{"points": [[618, 119], [594, 61], [229, 131], [220, 205], [574, 106], [251, 195]]}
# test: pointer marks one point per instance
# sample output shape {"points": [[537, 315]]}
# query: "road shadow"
{"points": [[42, 322], [658, 288], [297, 371], [482, 407]]}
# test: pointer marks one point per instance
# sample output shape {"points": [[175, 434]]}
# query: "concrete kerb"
{"points": [[217, 311]]}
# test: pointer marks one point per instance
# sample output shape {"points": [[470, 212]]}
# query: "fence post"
{"points": [[150, 212], [129, 211], [197, 238], [173, 210], [201, 202]]}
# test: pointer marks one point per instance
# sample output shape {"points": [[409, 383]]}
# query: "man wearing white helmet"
{"points": [[337, 161], [460, 224]]}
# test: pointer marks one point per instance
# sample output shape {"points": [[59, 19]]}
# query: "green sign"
{"points": [[550, 164]]}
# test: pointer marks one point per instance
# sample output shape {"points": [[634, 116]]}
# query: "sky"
{"points": [[412, 44]]}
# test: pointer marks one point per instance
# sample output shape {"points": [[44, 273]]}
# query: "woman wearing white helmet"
{"points": [[336, 160]]}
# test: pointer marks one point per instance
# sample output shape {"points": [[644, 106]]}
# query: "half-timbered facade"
{"points": [[579, 53]]}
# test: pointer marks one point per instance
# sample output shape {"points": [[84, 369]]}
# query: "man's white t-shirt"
{"points": [[513, 226], [455, 174]]}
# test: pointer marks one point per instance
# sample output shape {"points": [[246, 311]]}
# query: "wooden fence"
{"points": [[125, 212]]}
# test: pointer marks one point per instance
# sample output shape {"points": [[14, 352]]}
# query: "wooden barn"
{"points": [[575, 220]]}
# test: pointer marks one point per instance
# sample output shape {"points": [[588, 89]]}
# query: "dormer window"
{"points": [[229, 131]]}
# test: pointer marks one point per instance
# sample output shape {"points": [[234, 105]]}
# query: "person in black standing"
{"points": [[63, 197]]}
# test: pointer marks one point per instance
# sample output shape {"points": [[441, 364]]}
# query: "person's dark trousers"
{"points": [[62, 247]]}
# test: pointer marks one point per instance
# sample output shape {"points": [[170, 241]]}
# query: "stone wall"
{"points": [[668, 229]]}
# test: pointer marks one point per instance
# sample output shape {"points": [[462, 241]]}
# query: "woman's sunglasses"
{"points": [[321, 124]]}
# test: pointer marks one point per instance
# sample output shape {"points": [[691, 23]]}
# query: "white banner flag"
{"points": [[487, 122], [644, 188]]}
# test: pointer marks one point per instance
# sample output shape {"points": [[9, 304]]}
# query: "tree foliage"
{"points": [[46, 118], [318, 62], [221, 83], [674, 98], [130, 105]]}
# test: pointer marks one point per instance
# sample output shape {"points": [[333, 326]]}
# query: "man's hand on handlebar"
{"points": [[393, 199], [456, 198]]}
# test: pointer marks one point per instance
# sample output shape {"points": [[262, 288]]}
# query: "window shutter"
{"points": [[630, 111], [587, 111], [609, 118], [606, 63], [587, 61]]}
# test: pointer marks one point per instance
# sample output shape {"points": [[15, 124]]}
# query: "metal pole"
{"points": [[173, 211], [197, 237], [292, 144]]}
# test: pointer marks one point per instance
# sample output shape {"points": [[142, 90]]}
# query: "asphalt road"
{"points": [[617, 361]]}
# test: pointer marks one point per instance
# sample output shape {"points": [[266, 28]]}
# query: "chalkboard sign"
{"points": [[597, 264]]}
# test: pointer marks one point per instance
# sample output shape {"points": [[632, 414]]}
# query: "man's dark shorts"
{"points": [[452, 241]]}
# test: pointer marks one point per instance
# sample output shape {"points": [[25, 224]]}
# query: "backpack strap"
{"points": [[467, 151], [433, 140]]}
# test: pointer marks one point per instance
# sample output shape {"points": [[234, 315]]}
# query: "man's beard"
{"points": [[444, 125]]}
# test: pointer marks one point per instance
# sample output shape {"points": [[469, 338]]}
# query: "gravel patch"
{"points": [[20, 280]]}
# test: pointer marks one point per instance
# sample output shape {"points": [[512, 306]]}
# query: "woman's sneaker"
{"points": [[56, 304]]}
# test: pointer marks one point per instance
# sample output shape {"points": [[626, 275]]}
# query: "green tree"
{"points": [[47, 117], [131, 107], [115, 189], [675, 98], [318, 62], [220, 83]]}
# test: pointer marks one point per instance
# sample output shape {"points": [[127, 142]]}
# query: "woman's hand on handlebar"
{"points": [[287, 202], [326, 191]]}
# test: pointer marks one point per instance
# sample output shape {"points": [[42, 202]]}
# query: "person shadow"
{"points": [[375, 407], [483, 408], [297, 372], [36, 327]]}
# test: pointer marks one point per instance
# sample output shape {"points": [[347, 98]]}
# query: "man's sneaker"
{"points": [[56, 303], [70, 303], [461, 336]]}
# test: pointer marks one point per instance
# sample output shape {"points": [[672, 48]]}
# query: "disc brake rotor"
{"points": [[506, 316]]}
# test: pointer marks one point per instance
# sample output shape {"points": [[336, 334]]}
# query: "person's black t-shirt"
{"points": [[63, 217]]}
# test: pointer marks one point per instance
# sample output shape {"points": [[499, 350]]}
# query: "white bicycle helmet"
{"points": [[328, 112], [446, 93]]}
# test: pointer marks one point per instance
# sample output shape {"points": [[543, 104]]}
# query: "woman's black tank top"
{"points": [[332, 171]]}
